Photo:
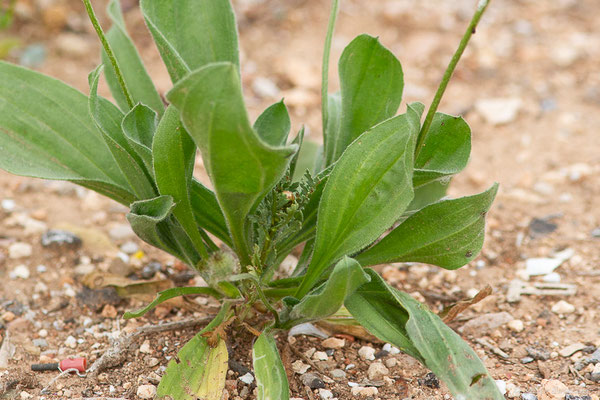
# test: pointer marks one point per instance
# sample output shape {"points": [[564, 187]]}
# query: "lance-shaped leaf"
{"points": [[371, 83], [190, 33], [397, 318], [169, 294], [448, 234], [427, 194], [325, 300], [207, 212], [273, 125], [174, 154], [445, 151], [46, 132], [136, 78], [271, 379], [367, 191], [241, 166], [139, 126], [108, 119]]}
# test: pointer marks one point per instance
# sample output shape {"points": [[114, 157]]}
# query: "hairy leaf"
{"points": [[46, 132], [207, 212], [371, 82], [273, 125], [136, 78], [397, 318], [139, 126], [108, 119], [168, 294], [271, 379], [445, 151], [367, 191], [448, 234], [190, 33], [241, 166], [174, 154], [325, 300]]}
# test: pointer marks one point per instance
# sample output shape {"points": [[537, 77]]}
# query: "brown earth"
{"points": [[538, 60]]}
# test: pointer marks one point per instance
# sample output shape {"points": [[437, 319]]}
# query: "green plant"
{"points": [[378, 174]]}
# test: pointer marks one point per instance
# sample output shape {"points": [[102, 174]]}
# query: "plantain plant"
{"points": [[374, 193]]}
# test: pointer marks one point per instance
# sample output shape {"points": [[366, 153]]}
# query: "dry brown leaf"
{"points": [[451, 312]]}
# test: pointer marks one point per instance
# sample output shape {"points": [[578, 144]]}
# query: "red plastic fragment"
{"points": [[79, 364]]}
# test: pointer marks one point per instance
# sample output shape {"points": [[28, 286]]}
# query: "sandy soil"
{"points": [[537, 62]]}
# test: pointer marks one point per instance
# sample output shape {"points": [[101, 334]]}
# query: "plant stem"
{"points": [[335, 5], [266, 302], [108, 50], [481, 6]]}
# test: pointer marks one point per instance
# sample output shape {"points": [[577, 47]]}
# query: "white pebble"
{"points": [[562, 307], [325, 394], [299, 367], [377, 371], [498, 111], [8, 205], [248, 378], [320, 355], [145, 347], [20, 271], [333, 343], [367, 353], [516, 325], [146, 391], [43, 333], [364, 391], [501, 386], [390, 349], [71, 342], [19, 250], [129, 247]]}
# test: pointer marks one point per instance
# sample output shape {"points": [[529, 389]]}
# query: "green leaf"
{"points": [[298, 141], [148, 221], [448, 234], [367, 191], [376, 309], [136, 78], [46, 132], [273, 125], [446, 150], [139, 126], [309, 156], [207, 212], [241, 166], [190, 33], [108, 119], [174, 155], [271, 380], [397, 318], [168, 294], [427, 194], [325, 300], [371, 82], [198, 373]]}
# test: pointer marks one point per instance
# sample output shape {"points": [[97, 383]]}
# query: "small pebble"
{"points": [[527, 360], [325, 394], [41, 343], [390, 349], [8, 316], [516, 325], [501, 386], [377, 371], [320, 356], [595, 375], [71, 342], [299, 367], [20, 272], [528, 396], [391, 362], [60, 238], [368, 391], [43, 333], [247, 378], [338, 374], [145, 347], [20, 250], [312, 381], [562, 307], [129, 247], [333, 343], [146, 391], [430, 380], [513, 391], [538, 353], [150, 269], [8, 205], [571, 349], [367, 353], [121, 232], [552, 389]]}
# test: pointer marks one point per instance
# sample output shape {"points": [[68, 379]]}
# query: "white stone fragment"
{"points": [[20, 272], [248, 378], [367, 353], [498, 111], [19, 250], [562, 307], [146, 391], [516, 325]]}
